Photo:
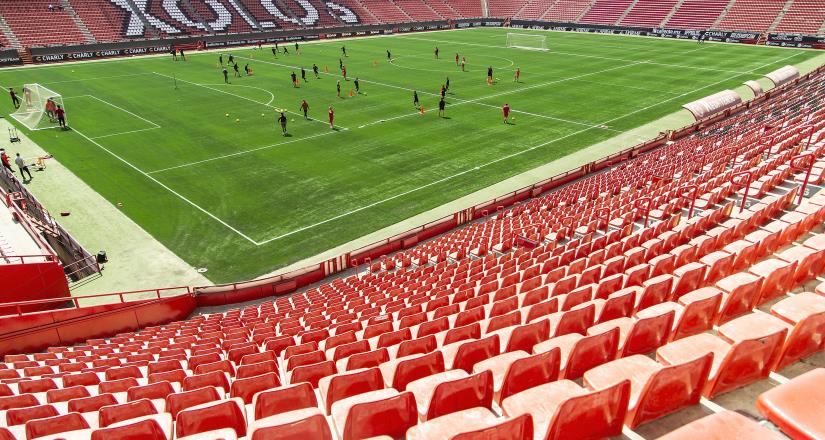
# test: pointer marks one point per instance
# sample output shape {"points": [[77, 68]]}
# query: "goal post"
{"points": [[37, 107], [527, 41]]}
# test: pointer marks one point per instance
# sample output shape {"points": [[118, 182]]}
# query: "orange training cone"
{"points": [[421, 112], [350, 93]]}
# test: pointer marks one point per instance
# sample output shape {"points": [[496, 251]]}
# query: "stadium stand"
{"points": [[606, 11], [697, 14], [660, 255], [108, 21], [648, 13], [804, 16], [566, 10], [52, 27], [751, 15]]}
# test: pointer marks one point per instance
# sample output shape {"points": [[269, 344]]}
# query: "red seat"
{"points": [[473, 423], [638, 335], [364, 360], [18, 401], [528, 372], [695, 317], [580, 353], [734, 365], [246, 388], [224, 366], [118, 413], [341, 386], [249, 370], [312, 373], [214, 379], [564, 410], [437, 396], [180, 401], [90, 404], [409, 370], [806, 313], [313, 427], [55, 425], [280, 400], [723, 426], [19, 416], [470, 353], [66, 394], [211, 416], [157, 390], [778, 276], [655, 390], [740, 293], [391, 416], [36, 386], [515, 428], [146, 429], [796, 406]]}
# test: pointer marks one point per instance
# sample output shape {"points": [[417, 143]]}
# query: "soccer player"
{"points": [[443, 91], [220, 59], [282, 121], [357, 86], [4, 158], [297, 49], [182, 55], [490, 76], [436, 52], [340, 64], [61, 116], [389, 56], [174, 54], [246, 69], [24, 169], [286, 50], [275, 51], [225, 76], [305, 108], [338, 86], [416, 104], [27, 94], [276, 47], [441, 105], [294, 79], [506, 111], [50, 109], [344, 50], [303, 74], [315, 70], [344, 73], [447, 86], [235, 67], [231, 59], [517, 76], [463, 63], [456, 58], [14, 99], [331, 115]]}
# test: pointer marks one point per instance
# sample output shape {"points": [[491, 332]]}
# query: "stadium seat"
{"points": [[723, 426], [211, 416], [343, 385], [517, 371], [377, 413], [796, 406], [284, 399], [146, 429], [177, 402], [61, 424], [655, 390], [451, 391], [805, 312], [564, 410], [313, 426]]}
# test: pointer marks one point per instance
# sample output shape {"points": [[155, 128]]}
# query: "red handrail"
{"points": [[694, 194], [76, 299], [747, 185], [638, 205], [807, 168]]}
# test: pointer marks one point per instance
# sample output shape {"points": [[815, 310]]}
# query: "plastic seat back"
{"points": [[346, 385], [117, 413], [281, 400], [456, 395], [412, 369], [516, 428], [55, 425], [530, 372], [223, 414], [146, 429], [597, 414], [313, 427]]}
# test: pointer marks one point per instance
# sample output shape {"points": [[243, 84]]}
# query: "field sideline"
{"points": [[202, 167]]}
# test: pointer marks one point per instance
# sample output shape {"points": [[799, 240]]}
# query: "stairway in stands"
{"points": [[77, 21], [9, 39]]}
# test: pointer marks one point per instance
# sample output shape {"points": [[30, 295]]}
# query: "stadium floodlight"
{"points": [[527, 41], [37, 107]]}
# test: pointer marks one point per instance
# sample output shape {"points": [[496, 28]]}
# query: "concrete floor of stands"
{"points": [[138, 261]]}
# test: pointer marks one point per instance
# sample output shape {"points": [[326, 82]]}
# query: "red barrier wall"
{"points": [[29, 281], [36, 332]]}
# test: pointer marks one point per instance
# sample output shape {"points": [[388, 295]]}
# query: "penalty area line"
{"points": [[166, 187]]}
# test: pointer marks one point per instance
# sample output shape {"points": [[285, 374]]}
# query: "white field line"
{"points": [[271, 95], [125, 132], [681, 66], [97, 78], [242, 97], [476, 100], [117, 107], [239, 153], [164, 186], [514, 154]]}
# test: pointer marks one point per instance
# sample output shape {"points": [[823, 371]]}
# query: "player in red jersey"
{"points": [[506, 111], [331, 114]]}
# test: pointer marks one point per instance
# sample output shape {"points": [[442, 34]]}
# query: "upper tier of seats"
{"points": [[601, 306], [110, 20]]}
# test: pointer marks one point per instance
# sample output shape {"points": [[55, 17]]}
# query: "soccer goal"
{"points": [[37, 107], [527, 41]]}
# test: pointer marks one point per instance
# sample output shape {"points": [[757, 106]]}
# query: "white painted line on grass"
{"points": [[125, 132], [117, 107], [242, 97], [98, 78], [166, 187], [514, 154], [682, 66], [239, 153]]}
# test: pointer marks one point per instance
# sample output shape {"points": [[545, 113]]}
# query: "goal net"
{"points": [[37, 107], [527, 41]]}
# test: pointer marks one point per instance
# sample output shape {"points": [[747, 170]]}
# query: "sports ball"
{"points": [[237, 120], [262, 115], [227, 115], [293, 119]]}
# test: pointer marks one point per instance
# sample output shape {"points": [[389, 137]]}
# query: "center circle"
{"points": [[447, 64]]}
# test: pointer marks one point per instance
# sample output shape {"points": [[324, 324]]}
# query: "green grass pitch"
{"points": [[232, 194]]}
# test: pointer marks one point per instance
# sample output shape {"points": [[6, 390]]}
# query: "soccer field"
{"points": [[204, 168]]}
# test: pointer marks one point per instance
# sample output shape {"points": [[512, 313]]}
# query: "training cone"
{"points": [[350, 93], [326, 69], [422, 110]]}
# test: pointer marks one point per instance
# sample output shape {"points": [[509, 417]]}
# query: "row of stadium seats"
{"points": [[610, 303], [805, 16]]}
